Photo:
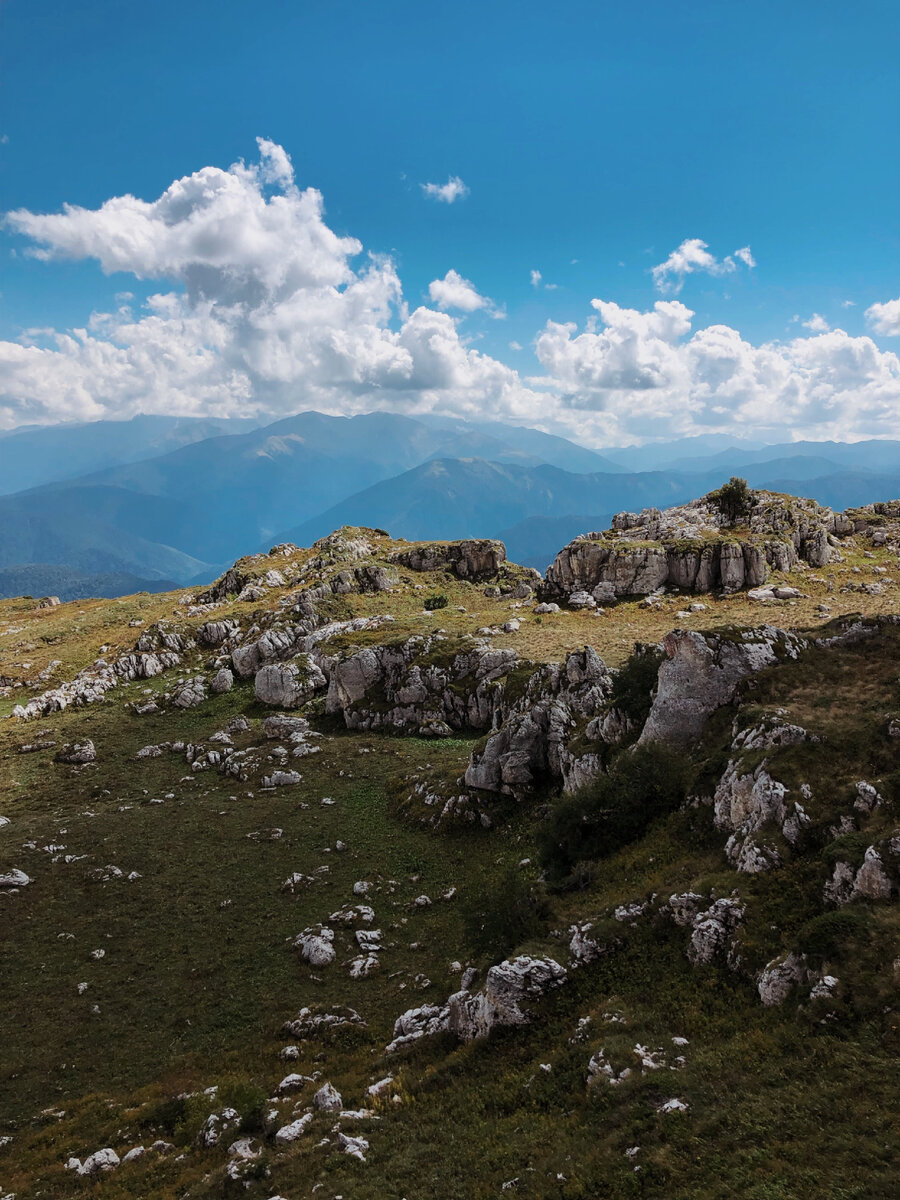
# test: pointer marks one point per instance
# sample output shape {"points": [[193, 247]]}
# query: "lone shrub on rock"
{"points": [[734, 499]]}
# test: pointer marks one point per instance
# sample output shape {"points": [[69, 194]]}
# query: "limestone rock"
{"points": [[77, 753], [218, 1125], [474, 560], [317, 946], [328, 1098], [780, 976], [291, 1132], [702, 672], [713, 929], [14, 879], [509, 985], [288, 685], [691, 547], [872, 881], [222, 681], [99, 1162]]}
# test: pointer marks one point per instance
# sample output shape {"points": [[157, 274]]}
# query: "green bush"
{"points": [[734, 499], [830, 935], [613, 810], [632, 689], [508, 912], [436, 601]]}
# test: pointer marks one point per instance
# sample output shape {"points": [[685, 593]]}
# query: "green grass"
{"points": [[199, 975]]}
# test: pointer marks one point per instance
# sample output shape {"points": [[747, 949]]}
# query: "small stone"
{"points": [[328, 1098]]}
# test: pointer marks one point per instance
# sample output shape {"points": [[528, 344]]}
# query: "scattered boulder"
{"points": [[291, 1132], [222, 681], [77, 753], [316, 946], [14, 879], [288, 685], [99, 1162], [328, 1098]]}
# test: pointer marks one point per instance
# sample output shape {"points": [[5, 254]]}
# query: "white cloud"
{"points": [[816, 324], [515, 345], [455, 292], [885, 318], [639, 374], [536, 279], [270, 310], [446, 193], [691, 256], [261, 308]]}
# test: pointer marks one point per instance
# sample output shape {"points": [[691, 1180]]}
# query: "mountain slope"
{"points": [[216, 497], [95, 530], [258, 952], [32, 456]]}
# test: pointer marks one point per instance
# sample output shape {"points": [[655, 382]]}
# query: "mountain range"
{"points": [[146, 502]]}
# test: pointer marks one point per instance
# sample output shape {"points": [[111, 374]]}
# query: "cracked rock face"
{"points": [[746, 802], [469, 1015], [531, 742], [288, 685], [475, 560], [712, 931], [691, 547], [702, 672], [413, 686]]}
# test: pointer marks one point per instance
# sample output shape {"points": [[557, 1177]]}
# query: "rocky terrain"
{"points": [[390, 869]]}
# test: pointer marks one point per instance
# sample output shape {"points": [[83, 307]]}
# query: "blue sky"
{"points": [[593, 139]]}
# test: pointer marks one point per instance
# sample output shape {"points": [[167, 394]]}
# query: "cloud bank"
{"points": [[262, 309]]}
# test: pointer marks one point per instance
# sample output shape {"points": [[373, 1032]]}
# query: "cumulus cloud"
{"points": [[446, 193], [816, 324], [885, 318], [640, 371], [271, 310], [455, 292], [692, 256], [536, 278], [260, 308]]}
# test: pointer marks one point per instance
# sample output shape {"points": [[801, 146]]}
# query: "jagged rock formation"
{"points": [[749, 801], [470, 1015], [703, 672], [426, 684], [531, 744], [692, 547], [473, 560]]}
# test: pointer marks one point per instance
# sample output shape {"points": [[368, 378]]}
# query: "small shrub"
{"points": [[613, 810], [434, 602], [831, 935], [733, 499], [632, 690], [508, 912]]}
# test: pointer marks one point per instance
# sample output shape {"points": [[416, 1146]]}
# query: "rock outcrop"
{"points": [[503, 1001], [749, 801], [692, 547], [702, 672], [475, 560], [531, 744], [428, 685]]}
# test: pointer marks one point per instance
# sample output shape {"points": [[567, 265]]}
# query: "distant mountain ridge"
{"points": [[222, 488]]}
